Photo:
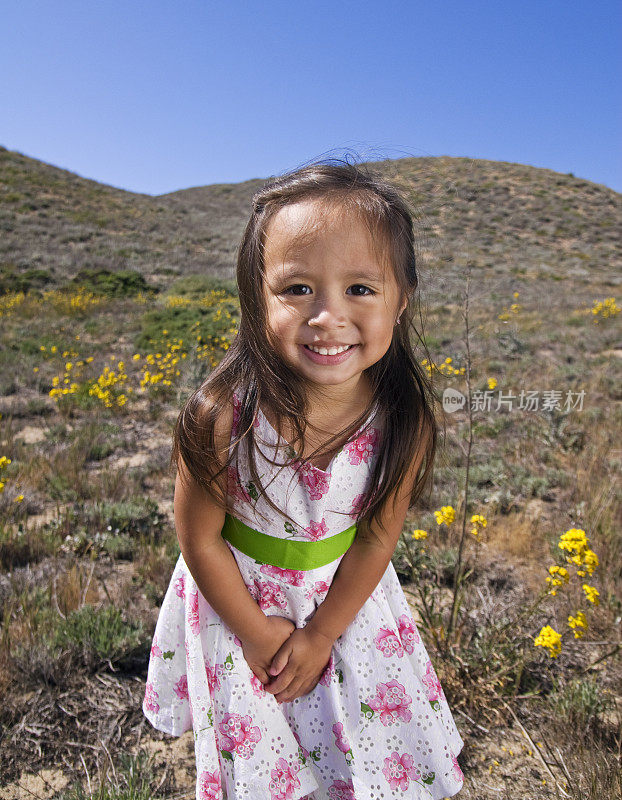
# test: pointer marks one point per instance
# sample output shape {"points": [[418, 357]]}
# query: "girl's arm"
{"points": [[299, 663], [198, 522]]}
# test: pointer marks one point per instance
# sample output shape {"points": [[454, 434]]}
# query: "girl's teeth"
{"points": [[329, 351]]}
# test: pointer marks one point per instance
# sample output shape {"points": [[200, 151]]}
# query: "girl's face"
{"points": [[327, 291]]}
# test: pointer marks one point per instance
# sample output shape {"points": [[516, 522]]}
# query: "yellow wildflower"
{"points": [[419, 534], [557, 577], [578, 624], [478, 522], [19, 498], [549, 639], [492, 382], [446, 515], [591, 593]]}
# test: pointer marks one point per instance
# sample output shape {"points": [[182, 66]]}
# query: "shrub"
{"points": [[105, 282]]}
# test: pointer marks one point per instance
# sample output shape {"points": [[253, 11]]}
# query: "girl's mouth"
{"points": [[327, 358]]}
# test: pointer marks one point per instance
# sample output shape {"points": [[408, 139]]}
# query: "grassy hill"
{"points": [[510, 220], [115, 305]]}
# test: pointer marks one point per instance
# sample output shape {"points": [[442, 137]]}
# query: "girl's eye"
{"points": [[301, 289], [291, 289], [365, 289]]}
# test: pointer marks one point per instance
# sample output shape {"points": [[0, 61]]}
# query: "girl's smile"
{"points": [[331, 303]]}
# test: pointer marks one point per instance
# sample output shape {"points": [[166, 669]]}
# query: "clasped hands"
{"points": [[289, 661]]}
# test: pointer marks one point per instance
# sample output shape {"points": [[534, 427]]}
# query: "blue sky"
{"points": [[158, 96]]}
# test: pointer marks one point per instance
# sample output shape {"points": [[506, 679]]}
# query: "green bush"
{"points": [[186, 323], [132, 780], [96, 636], [14, 279], [194, 287], [105, 282], [579, 702]]}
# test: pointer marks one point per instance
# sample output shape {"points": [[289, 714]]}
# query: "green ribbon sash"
{"points": [[286, 553]]}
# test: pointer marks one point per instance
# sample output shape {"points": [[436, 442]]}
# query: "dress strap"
{"points": [[286, 553]]}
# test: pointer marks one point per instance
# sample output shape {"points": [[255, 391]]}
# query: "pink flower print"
{"points": [[329, 671], [319, 588], [209, 786], [151, 697], [305, 753], [432, 683], [408, 633], [213, 676], [180, 588], [268, 594], [398, 769], [341, 790], [234, 487], [193, 613], [357, 505], [237, 735], [388, 642], [315, 481], [181, 688], [284, 780], [340, 740], [362, 448], [316, 530], [256, 685], [391, 702], [294, 577], [156, 652], [237, 641], [457, 774]]}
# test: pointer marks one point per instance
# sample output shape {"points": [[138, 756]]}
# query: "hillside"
{"points": [[94, 368], [510, 220]]}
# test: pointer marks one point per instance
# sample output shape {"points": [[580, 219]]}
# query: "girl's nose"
{"points": [[327, 313]]}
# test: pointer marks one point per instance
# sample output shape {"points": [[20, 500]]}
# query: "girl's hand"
{"points": [[259, 652], [299, 664]]}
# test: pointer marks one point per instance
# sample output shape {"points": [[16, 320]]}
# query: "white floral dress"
{"points": [[377, 725]]}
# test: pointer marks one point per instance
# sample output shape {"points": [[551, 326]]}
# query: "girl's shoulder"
{"points": [[224, 421]]}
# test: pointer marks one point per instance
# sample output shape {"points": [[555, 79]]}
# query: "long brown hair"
{"points": [[401, 388]]}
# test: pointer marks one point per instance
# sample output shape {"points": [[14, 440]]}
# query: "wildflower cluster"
{"points": [[445, 368], [550, 639], [578, 624], [446, 515], [162, 368], [107, 387], [575, 544], [557, 576], [4, 463], [605, 308], [478, 522], [491, 383], [10, 301], [73, 371], [513, 309], [419, 534], [79, 301]]}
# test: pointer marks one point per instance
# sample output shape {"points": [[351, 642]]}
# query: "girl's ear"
{"points": [[403, 305]]}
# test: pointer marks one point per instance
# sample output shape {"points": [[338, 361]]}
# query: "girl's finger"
{"points": [[261, 674], [280, 659], [292, 692], [281, 683]]}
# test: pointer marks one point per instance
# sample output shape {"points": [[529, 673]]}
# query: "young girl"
{"points": [[285, 640]]}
